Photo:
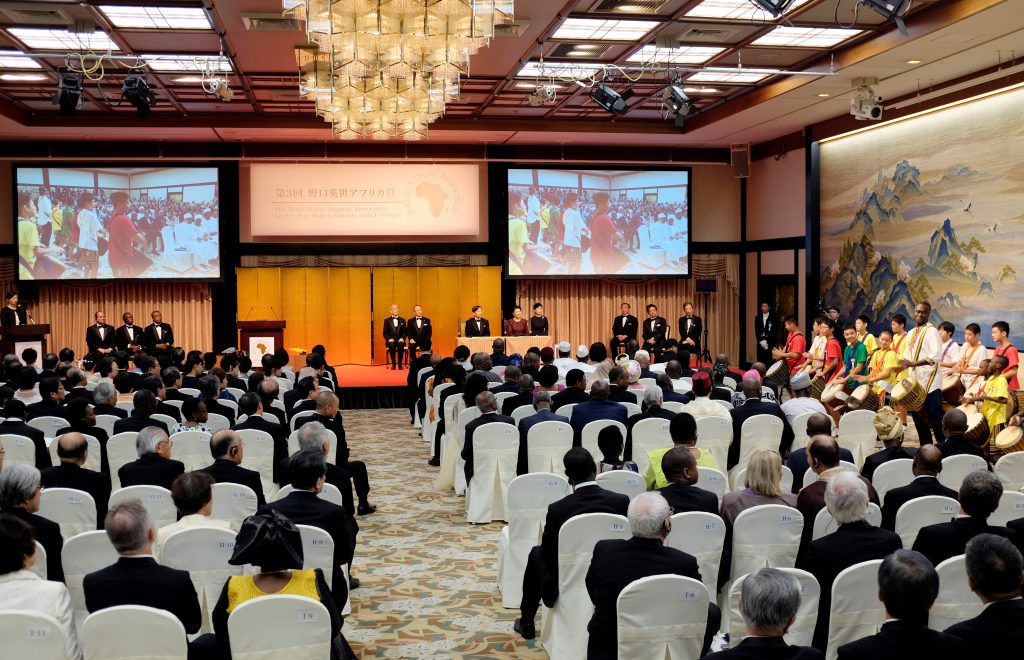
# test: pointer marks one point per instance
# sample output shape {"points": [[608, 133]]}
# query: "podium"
{"points": [[260, 337], [16, 338]]}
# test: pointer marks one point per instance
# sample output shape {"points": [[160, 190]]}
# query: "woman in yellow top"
{"points": [[994, 396], [683, 429], [884, 369], [273, 543]]}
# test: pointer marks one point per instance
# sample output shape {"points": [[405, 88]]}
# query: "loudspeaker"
{"points": [[739, 158], [707, 285]]}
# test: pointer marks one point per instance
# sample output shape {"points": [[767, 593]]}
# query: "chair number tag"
{"points": [[710, 527], [1018, 506], [687, 594], [19, 442], [307, 616], [617, 527], [225, 545], [38, 632], [786, 518], [155, 497], [632, 481], [75, 499], [554, 484], [237, 494], [318, 542], [712, 477], [948, 508]]}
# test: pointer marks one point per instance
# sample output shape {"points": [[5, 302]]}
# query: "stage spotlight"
{"points": [[893, 10], [611, 100], [69, 92], [866, 104], [675, 103], [774, 7], [137, 92]]}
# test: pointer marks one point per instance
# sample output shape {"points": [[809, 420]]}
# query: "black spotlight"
{"points": [[137, 92], [611, 100], [69, 92], [892, 10], [774, 7], [677, 104]]}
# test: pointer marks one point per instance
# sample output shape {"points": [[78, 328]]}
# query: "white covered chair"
{"points": [[785, 481], [811, 476], [955, 468], [433, 403], [648, 435], [133, 632], [702, 535], [236, 392], [546, 445], [501, 396], [766, 536], [228, 403], [673, 629], [129, 406], [329, 493], [801, 633], [591, 431], [217, 422], [526, 506], [715, 435], [564, 626], [825, 524], [177, 403], [259, 456], [293, 443], [74, 510], [627, 482], [566, 410], [892, 474], [454, 444], [189, 391], [714, 481], [1011, 507], [299, 415], [495, 452], [674, 406], [29, 634], [318, 552], [921, 512], [85, 553], [955, 602], [203, 552], [730, 382], [1010, 470], [632, 409], [857, 433], [233, 502], [191, 448], [169, 421], [121, 451], [297, 627], [799, 426], [522, 411], [49, 425], [39, 567], [18, 450], [757, 433], [106, 422], [855, 611], [156, 500]]}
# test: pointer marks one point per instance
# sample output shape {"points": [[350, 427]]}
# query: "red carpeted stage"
{"points": [[371, 387]]}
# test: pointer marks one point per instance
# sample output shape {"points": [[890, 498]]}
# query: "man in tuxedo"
{"points": [[926, 467], [52, 391], [908, 585], [617, 563], [477, 325], [542, 404], [251, 406], [655, 328], [599, 407], [523, 398], [154, 467], [99, 337], [769, 601], [14, 424], [145, 403], [136, 578], [73, 451], [889, 430], [624, 328], [575, 390], [158, 336], [228, 450], [418, 331], [979, 497], [690, 331], [995, 571], [854, 541], [488, 407], [682, 493], [105, 401], [394, 338], [20, 491], [753, 405], [765, 333], [540, 579], [128, 337], [653, 399]]}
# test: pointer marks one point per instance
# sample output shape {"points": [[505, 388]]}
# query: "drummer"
{"points": [[950, 349], [796, 345], [1001, 335], [994, 396], [829, 362], [855, 357], [899, 334], [883, 367], [815, 357], [863, 336], [971, 355], [921, 352]]}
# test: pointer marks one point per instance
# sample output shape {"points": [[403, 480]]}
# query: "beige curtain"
{"points": [[581, 311]]}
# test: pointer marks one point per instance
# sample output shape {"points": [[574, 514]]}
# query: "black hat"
{"points": [[270, 541]]}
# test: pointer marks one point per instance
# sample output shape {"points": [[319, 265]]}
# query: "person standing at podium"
{"points": [[159, 336], [128, 337], [477, 326], [99, 337], [394, 338], [418, 331], [624, 328], [11, 314]]}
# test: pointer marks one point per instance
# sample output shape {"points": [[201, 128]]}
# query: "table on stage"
{"points": [[512, 344]]}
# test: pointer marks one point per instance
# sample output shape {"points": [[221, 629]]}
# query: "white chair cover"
{"points": [[453, 448], [156, 500], [203, 552], [811, 476], [703, 536], [1011, 507], [93, 461], [955, 468], [785, 481], [564, 627], [166, 419], [259, 456], [799, 425], [857, 433], [432, 409], [632, 409], [236, 392], [855, 611], [495, 452], [955, 602], [801, 633], [522, 411], [299, 415], [293, 443], [270, 417], [546, 445], [233, 503], [329, 493], [280, 627], [674, 628], [566, 410], [18, 450], [129, 406], [228, 403], [526, 507], [766, 536], [83, 554], [191, 448], [757, 433], [647, 382], [892, 474], [715, 435], [39, 567], [591, 431], [120, 452], [177, 403], [627, 482], [923, 511], [49, 425], [318, 552], [674, 406], [217, 422], [648, 435], [74, 510], [713, 481], [1010, 470], [106, 422], [27, 634], [825, 524], [189, 391]]}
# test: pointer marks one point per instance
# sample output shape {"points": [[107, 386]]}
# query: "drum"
{"points": [[952, 389], [1015, 403], [817, 387], [909, 394], [778, 373], [863, 398], [977, 429], [1009, 440], [835, 391]]}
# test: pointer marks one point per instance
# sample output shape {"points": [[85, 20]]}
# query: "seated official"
{"points": [[995, 571], [105, 401], [575, 390], [889, 431], [228, 451], [769, 602], [136, 578], [141, 416], [611, 443], [762, 485], [73, 451], [817, 424], [52, 392], [75, 383], [209, 389], [682, 492], [926, 468], [653, 398], [251, 406], [193, 417], [488, 407], [617, 563], [154, 466], [954, 428], [908, 585], [753, 405], [598, 408], [14, 424], [23, 590], [477, 325], [81, 416], [542, 404], [683, 429], [523, 398], [20, 490], [192, 493], [823, 451], [510, 382], [540, 578]]}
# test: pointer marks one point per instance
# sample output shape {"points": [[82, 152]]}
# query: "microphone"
{"points": [[275, 313], [249, 312]]}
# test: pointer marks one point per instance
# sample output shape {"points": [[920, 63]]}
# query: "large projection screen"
{"points": [[365, 203]]}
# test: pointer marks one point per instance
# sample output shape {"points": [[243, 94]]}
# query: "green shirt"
{"points": [[852, 356]]}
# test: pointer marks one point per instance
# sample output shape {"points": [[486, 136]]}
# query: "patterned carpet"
{"points": [[428, 577]]}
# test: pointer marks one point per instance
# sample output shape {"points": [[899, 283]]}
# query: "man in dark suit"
{"points": [[655, 328], [618, 381], [314, 437], [52, 391], [979, 497], [105, 401], [690, 328], [498, 356], [158, 336], [954, 427], [268, 391], [394, 338], [172, 384], [20, 490], [510, 382], [617, 563], [251, 406], [488, 407], [854, 541], [542, 404], [73, 451], [926, 468], [599, 407], [154, 467], [75, 386], [769, 601], [668, 392], [817, 424], [14, 424], [995, 571], [145, 405], [765, 333], [209, 389], [230, 364], [136, 578], [523, 398], [421, 361], [228, 449], [908, 585], [680, 468], [99, 337], [156, 385], [418, 331], [477, 325], [889, 430], [128, 337], [753, 405], [540, 579], [575, 390], [624, 327]]}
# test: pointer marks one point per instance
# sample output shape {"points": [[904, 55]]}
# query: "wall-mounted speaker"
{"points": [[707, 285], [739, 158]]}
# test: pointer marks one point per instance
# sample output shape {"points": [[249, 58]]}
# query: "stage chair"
{"points": [[1010, 470], [921, 512], [85, 553], [191, 448], [39, 568], [106, 422], [18, 450], [673, 629], [49, 425], [203, 552], [495, 451], [955, 468], [1011, 507], [627, 482], [713, 481], [757, 433], [648, 435], [715, 435], [234, 503], [130, 632], [592, 429], [955, 602], [546, 446], [29, 634], [825, 524], [294, 626], [702, 535], [855, 611], [857, 433], [329, 493], [522, 411], [801, 633], [892, 474], [121, 451], [74, 510]]}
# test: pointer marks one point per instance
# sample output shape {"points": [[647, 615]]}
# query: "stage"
{"points": [[363, 386]]}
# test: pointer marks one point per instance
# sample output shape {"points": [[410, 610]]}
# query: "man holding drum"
{"points": [[994, 396], [922, 351]]}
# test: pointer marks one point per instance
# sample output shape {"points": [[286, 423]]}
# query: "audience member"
{"points": [[141, 417], [610, 444], [14, 424], [668, 389], [314, 437], [702, 405], [73, 451], [27, 381], [251, 406], [680, 468], [653, 399], [228, 451], [954, 427], [763, 485], [753, 405], [209, 389], [575, 390], [193, 417], [523, 398], [995, 572], [598, 408], [105, 401], [542, 404], [801, 402], [154, 466], [683, 430], [488, 407], [51, 391], [823, 451], [926, 468], [889, 431], [20, 490], [817, 424], [192, 493]]}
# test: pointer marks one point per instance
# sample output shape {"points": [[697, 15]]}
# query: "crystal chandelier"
{"points": [[384, 69]]}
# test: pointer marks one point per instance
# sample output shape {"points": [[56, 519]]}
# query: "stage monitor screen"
{"points": [[101, 223], [591, 222]]}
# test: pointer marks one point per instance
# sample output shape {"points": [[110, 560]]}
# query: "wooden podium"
{"points": [[12, 336], [250, 334]]}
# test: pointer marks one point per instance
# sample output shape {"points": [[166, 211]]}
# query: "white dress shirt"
{"points": [[705, 406], [24, 590]]}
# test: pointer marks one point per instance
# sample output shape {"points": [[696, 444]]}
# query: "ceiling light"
{"points": [[611, 100], [22, 77], [913, 61], [680, 55], [543, 95], [824, 94], [700, 90], [805, 37], [49, 39], [185, 63], [157, 18], [597, 29], [15, 59], [69, 92], [742, 77], [188, 79], [892, 10], [866, 104]]}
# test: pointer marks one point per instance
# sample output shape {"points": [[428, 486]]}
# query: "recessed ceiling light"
{"points": [[157, 18], [680, 55], [737, 10], [913, 61], [597, 29], [824, 94], [197, 62], [188, 79], [15, 59], [805, 37], [700, 90], [22, 77], [563, 70], [48, 39]]}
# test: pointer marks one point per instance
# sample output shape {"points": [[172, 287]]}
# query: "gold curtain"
{"points": [[581, 311]]}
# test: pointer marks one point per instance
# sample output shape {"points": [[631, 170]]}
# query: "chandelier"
{"points": [[385, 69]]}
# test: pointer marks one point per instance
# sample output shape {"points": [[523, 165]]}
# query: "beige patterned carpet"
{"points": [[428, 577]]}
